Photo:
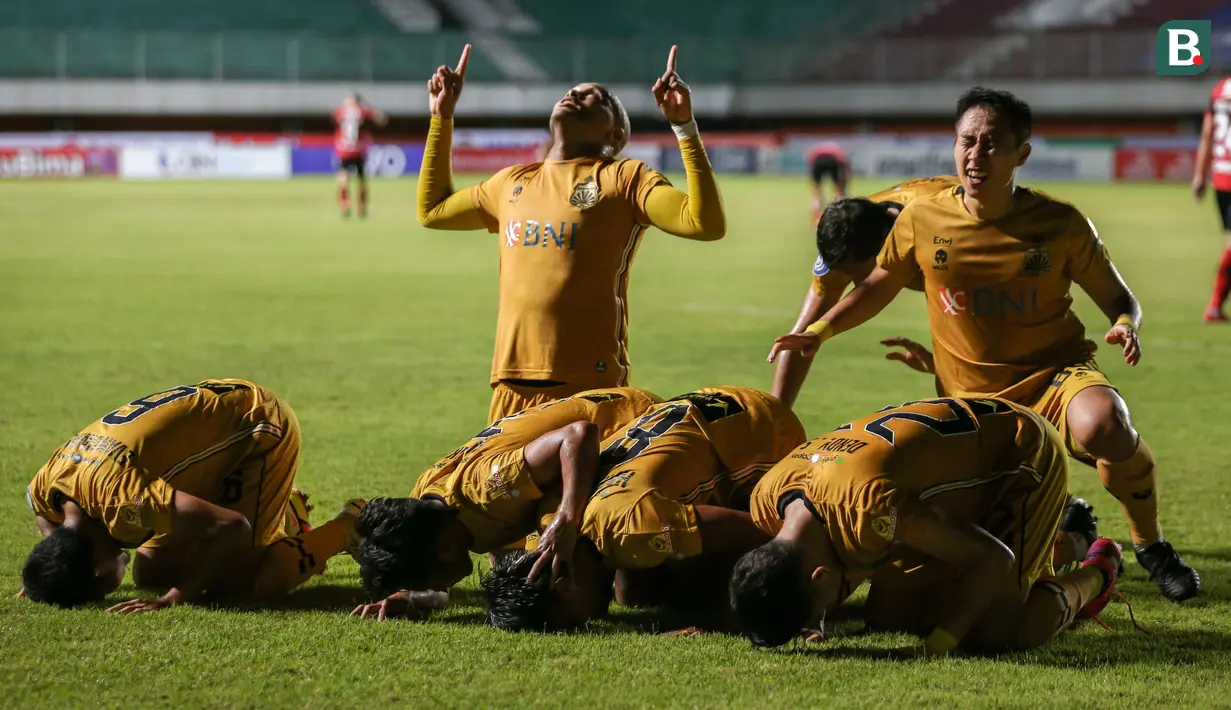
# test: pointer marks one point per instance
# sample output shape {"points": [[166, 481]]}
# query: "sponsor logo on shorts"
{"points": [[662, 542], [497, 486], [886, 525]]}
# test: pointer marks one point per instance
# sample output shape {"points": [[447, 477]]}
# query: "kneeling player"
{"points": [[975, 487], [200, 477], [849, 235], [670, 490], [484, 496]]}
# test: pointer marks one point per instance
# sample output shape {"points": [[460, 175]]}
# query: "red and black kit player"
{"points": [[353, 121], [827, 160], [1214, 155]]}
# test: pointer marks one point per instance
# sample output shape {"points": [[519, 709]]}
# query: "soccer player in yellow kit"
{"points": [[569, 229], [849, 235], [671, 488], [199, 479], [998, 262], [487, 494], [968, 491]]}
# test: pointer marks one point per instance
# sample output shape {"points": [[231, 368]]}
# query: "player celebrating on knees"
{"points": [[669, 490], [200, 478], [351, 138], [998, 261], [570, 228], [486, 495], [971, 488], [848, 237], [1214, 151]]}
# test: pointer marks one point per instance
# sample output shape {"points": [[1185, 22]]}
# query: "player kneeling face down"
{"points": [[198, 479]]}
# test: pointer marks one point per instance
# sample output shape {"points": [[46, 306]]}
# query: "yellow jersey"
{"points": [[998, 293]]}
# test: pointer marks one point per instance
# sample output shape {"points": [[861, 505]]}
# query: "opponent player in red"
{"points": [[1214, 152], [354, 119], [827, 160]]}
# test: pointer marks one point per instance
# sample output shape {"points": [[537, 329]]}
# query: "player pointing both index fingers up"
{"points": [[569, 228]]}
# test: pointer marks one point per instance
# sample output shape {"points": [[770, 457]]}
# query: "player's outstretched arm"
{"points": [[984, 563], [792, 368], [221, 533], [437, 205], [858, 307], [697, 214], [403, 603], [568, 455]]}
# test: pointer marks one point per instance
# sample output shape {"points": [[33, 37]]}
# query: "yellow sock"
{"points": [[1134, 483], [292, 561]]}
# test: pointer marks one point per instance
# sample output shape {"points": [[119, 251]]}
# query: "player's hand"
{"points": [[1199, 188], [804, 343], [812, 635], [556, 546], [403, 603], [916, 357], [141, 606], [445, 87], [689, 632], [21, 594], [672, 95], [1130, 343]]}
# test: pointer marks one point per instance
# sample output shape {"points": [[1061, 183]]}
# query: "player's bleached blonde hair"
{"points": [[620, 116]]}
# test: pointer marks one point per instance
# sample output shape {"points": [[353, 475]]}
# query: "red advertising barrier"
{"points": [[1154, 164], [70, 163]]}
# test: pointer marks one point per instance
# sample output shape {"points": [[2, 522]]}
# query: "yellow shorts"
{"points": [[1053, 401], [262, 481], [509, 398]]}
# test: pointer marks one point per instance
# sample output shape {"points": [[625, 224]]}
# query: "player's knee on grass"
{"points": [[403, 546], [1100, 424]]}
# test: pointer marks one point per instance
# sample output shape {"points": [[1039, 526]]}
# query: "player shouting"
{"points": [[570, 227], [1214, 152], [354, 119], [998, 262]]}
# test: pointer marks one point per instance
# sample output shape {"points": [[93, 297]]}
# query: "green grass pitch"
{"points": [[379, 334]]}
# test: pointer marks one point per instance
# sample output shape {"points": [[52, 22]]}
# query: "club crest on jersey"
{"points": [[585, 194], [886, 525], [1037, 261], [820, 268]]}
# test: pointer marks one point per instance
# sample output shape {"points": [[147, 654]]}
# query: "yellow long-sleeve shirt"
{"points": [[569, 230]]}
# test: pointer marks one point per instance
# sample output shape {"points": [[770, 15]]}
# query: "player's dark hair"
{"points": [[398, 548], [514, 603], [60, 570], [853, 228], [769, 595], [1006, 106]]}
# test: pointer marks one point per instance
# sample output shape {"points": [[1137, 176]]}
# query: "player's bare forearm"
{"points": [[1107, 289], [984, 563], [792, 369], [699, 214], [727, 531], [569, 456], [1201, 167], [222, 533], [45, 526], [865, 301]]}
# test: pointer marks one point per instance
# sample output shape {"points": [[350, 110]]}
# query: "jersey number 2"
{"points": [[960, 423]]}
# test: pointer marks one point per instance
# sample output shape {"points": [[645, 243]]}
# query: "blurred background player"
{"points": [[352, 136], [570, 228], [1214, 155], [828, 162], [1001, 313]]}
